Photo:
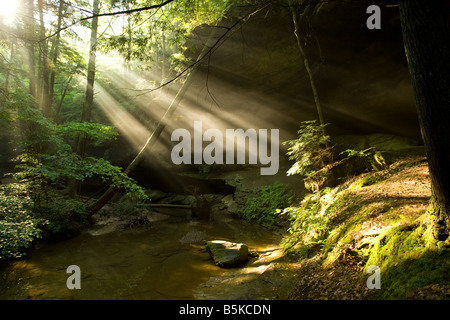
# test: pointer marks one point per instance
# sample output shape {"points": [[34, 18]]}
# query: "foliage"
{"points": [[262, 207], [48, 162], [18, 226], [310, 222], [129, 204], [49, 159], [96, 132], [64, 216], [373, 160], [149, 36], [311, 151]]}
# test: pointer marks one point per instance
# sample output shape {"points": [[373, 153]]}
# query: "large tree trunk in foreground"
{"points": [[426, 34], [157, 132]]}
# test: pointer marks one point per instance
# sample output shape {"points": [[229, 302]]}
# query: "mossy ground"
{"points": [[378, 218]]}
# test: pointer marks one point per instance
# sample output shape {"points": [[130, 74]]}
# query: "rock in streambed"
{"points": [[227, 254]]}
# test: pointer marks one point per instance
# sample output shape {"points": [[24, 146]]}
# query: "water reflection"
{"points": [[166, 260]]}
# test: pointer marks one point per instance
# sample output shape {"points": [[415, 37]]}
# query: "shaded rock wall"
{"points": [[361, 75]]}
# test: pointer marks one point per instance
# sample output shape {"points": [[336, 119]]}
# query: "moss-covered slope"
{"points": [[377, 218]]}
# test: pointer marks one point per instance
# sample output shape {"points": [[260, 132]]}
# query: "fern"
{"points": [[263, 207], [311, 151]]}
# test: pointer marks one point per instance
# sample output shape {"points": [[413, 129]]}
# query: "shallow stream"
{"points": [[165, 260]]}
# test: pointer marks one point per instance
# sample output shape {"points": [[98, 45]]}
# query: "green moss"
{"points": [[392, 233], [319, 219], [364, 182], [407, 263]]}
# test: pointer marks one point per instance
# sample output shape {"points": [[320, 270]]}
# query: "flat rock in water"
{"points": [[227, 254]]}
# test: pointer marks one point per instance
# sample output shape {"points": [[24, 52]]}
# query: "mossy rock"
{"points": [[385, 150], [407, 263], [334, 174], [380, 141]]}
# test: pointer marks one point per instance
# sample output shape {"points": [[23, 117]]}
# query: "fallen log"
{"points": [[168, 205]]}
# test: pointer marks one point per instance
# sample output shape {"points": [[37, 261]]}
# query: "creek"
{"points": [[163, 260]]}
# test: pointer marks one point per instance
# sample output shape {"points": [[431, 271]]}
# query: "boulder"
{"points": [[227, 254], [230, 204]]}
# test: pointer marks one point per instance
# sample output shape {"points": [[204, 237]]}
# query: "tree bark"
{"points": [[30, 46], [44, 78], [75, 185], [163, 62], [8, 71], [89, 97], [426, 36], [55, 53]]}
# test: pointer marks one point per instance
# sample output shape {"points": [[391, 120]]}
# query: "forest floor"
{"points": [[393, 199]]}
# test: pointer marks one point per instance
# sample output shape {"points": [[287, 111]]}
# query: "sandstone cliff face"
{"points": [[258, 75]]}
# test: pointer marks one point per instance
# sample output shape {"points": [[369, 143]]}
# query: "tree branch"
{"points": [[215, 46], [156, 6]]}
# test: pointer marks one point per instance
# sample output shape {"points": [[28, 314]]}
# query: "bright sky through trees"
{"points": [[8, 9]]}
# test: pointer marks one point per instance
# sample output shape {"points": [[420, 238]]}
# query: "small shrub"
{"points": [[262, 208], [65, 217], [18, 227], [308, 226], [129, 204], [311, 151]]}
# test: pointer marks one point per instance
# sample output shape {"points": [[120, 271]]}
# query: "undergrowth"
{"points": [[263, 207]]}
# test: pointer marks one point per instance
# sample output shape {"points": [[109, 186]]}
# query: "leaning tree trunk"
{"points": [[426, 35], [157, 132], [207, 49]]}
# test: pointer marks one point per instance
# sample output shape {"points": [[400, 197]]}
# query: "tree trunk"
{"points": [[57, 116], [89, 98], [306, 63], [30, 46], [74, 185], [163, 62], [8, 71], [157, 132], [55, 53], [426, 35], [130, 36], [44, 78]]}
